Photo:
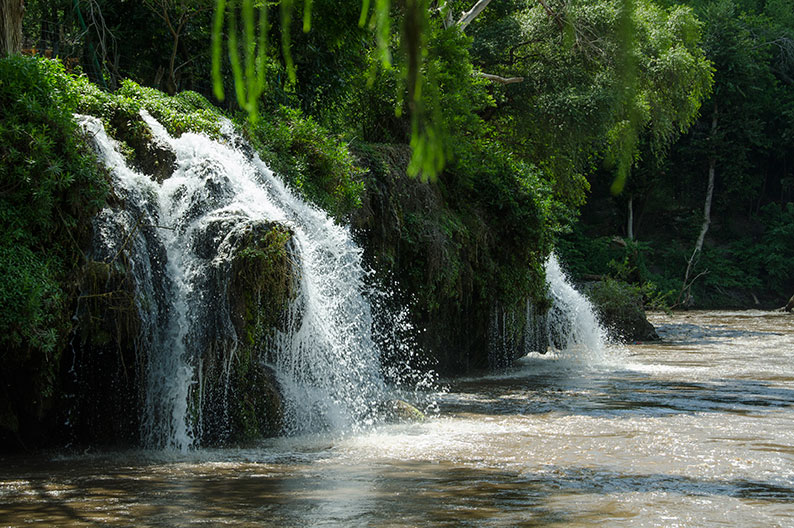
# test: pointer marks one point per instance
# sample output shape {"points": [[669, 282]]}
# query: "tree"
{"points": [[176, 14], [598, 76], [11, 12]]}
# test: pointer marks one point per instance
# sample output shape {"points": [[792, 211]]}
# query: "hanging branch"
{"points": [[248, 70]]}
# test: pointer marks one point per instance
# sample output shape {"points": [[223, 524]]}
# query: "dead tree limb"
{"points": [[472, 13], [499, 79]]}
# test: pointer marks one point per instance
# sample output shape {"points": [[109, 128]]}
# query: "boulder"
{"points": [[399, 411], [620, 309], [253, 291], [147, 155]]}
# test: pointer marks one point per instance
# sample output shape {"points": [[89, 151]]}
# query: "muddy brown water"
{"points": [[695, 431]]}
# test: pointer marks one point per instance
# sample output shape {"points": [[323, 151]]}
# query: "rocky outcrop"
{"points": [[620, 309], [240, 398], [104, 367], [237, 397], [446, 259], [145, 154]]}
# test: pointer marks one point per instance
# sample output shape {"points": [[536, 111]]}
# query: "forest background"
{"points": [[600, 128]]}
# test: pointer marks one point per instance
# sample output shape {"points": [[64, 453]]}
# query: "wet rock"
{"points": [[149, 156], [445, 255], [399, 411], [105, 362], [250, 295]]}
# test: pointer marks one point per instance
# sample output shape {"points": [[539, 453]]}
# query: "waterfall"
{"points": [[571, 326], [325, 359]]}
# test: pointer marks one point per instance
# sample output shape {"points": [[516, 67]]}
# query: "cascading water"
{"points": [[326, 362], [571, 327]]}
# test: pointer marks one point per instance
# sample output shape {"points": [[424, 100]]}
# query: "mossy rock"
{"points": [[241, 398], [399, 411], [452, 266], [620, 309], [148, 156], [106, 357], [264, 279]]}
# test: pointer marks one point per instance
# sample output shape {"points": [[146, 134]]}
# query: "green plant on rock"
{"points": [[50, 186], [311, 160]]}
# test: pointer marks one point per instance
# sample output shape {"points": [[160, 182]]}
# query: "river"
{"points": [[695, 431]]}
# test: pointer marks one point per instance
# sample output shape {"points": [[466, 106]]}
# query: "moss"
{"points": [[242, 400], [460, 249], [263, 285], [620, 308], [262, 281]]}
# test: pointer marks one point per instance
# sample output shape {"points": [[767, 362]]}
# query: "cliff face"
{"points": [[243, 297], [448, 264]]}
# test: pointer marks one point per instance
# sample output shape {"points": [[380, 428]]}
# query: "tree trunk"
{"points": [[11, 12], [630, 222], [706, 217], [790, 306], [172, 66]]}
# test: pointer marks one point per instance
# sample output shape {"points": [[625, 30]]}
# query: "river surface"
{"points": [[695, 431]]}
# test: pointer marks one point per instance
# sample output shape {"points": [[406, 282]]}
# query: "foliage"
{"points": [[309, 159], [49, 188], [596, 77], [624, 262], [184, 112], [776, 251], [746, 130]]}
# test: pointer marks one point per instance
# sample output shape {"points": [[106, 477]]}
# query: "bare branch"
{"points": [[520, 45], [472, 13], [499, 79]]}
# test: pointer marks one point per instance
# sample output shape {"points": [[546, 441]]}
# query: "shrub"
{"points": [[50, 186], [310, 160]]}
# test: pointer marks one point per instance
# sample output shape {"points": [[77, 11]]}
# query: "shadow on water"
{"points": [[615, 393], [402, 493], [691, 334]]}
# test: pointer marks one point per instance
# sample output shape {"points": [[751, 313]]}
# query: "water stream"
{"points": [[693, 431]]}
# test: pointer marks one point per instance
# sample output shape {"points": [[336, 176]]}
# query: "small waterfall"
{"points": [[325, 360], [570, 327]]}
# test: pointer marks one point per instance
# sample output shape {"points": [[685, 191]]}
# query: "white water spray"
{"points": [[326, 362], [570, 328]]}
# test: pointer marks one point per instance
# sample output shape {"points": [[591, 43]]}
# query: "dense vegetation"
{"points": [[49, 188], [745, 132], [462, 150]]}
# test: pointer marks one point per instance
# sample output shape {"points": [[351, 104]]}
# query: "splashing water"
{"points": [[570, 329], [326, 361]]}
